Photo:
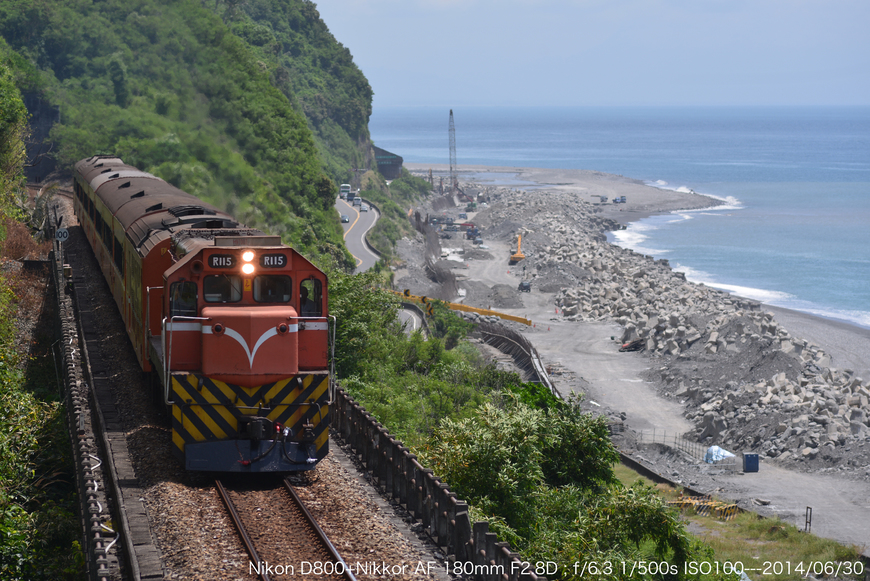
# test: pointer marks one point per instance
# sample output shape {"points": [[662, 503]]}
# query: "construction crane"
{"points": [[454, 184], [518, 255]]}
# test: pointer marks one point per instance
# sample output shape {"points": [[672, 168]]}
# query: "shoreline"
{"points": [[717, 370], [847, 343]]}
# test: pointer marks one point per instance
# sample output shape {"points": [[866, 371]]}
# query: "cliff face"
{"points": [[314, 71], [259, 114]]}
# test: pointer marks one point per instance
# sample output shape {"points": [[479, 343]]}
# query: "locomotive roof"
{"points": [[146, 205]]}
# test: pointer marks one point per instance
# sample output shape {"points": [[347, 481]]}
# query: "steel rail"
{"points": [[246, 539], [346, 573]]}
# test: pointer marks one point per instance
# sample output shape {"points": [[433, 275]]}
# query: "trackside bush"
{"points": [[543, 479]]}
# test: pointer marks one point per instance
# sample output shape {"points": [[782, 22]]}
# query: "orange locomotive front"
{"points": [[233, 323]]}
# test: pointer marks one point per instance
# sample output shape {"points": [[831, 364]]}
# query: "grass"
{"points": [[768, 548]]}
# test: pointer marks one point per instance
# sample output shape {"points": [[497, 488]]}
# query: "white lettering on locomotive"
{"points": [[221, 261], [273, 260]]}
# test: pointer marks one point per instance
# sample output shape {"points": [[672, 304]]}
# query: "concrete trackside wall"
{"points": [[397, 472]]}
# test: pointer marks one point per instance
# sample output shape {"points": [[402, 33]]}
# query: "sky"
{"points": [[452, 53]]}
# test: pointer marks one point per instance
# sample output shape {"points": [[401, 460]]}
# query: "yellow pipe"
{"points": [[460, 307]]}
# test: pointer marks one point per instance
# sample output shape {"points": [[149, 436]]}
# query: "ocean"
{"points": [[793, 229]]}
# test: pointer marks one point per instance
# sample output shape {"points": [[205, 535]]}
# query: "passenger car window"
{"points": [[182, 299], [272, 288], [310, 298], [222, 288]]}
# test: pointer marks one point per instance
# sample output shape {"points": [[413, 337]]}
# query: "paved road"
{"points": [[354, 232], [411, 319]]}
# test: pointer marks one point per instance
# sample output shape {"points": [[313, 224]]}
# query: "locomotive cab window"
{"points": [[222, 288], [182, 299], [310, 298], [272, 288]]}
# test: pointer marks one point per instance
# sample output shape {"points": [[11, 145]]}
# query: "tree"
{"points": [[118, 74], [13, 136], [367, 331]]}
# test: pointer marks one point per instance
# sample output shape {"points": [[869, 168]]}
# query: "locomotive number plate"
{"points": [[221, 261], [273, 260]]}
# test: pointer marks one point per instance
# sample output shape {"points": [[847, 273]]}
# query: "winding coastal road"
{"points": [[355, 231], [354, 238]]}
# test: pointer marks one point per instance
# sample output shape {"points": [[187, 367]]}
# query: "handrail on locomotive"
{"points": [[167, 357]]}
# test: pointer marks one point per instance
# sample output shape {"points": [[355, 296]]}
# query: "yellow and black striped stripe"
{"points": [[206, 410]]}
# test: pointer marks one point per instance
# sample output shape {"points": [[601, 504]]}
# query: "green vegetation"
{"points": [[392, 225], [172, 90], [314, 71], [38, 525], [538, 469], [766, 544], [409, 382], [393, 201], [13, 134], [409, 188]]}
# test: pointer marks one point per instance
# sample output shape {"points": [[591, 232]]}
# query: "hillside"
{"points": [[314, 71], [188, 93]]}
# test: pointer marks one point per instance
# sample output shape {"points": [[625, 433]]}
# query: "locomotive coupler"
{"points": [[308, 433], [256, 427]]}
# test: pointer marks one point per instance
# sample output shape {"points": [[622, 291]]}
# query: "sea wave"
{"points": [[756, 294], [633, 238], [851, 316], [728, 202], [777, 298]]}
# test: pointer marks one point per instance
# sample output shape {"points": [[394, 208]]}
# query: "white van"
{"points": [[357, 201]]}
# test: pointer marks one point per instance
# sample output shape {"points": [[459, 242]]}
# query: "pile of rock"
{"points": [[783, 398]]}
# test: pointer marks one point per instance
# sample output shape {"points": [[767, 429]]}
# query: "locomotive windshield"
{"points": [[310, 298], [272, 288], [222, 288], [182, 299]]}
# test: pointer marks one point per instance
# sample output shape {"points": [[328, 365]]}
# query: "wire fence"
{"points": [[692, 449]]}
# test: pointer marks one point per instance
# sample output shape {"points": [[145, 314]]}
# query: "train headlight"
{"points": [[247, 258]]}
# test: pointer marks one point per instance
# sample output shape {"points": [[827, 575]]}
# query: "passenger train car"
{"points": [[233, 323]]}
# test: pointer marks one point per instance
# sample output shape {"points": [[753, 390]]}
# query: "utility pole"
{"points": [[454, 185]]}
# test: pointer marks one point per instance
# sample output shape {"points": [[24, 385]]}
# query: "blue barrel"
{"points": [[750, 462]]}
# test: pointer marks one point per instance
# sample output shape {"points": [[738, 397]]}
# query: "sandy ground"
{"points": [[588, 361], [641, 200]]}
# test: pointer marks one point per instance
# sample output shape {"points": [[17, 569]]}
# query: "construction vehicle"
{"points": [[518, 255]]}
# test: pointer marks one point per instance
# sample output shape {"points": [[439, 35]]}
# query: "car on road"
{"points": [[525, 287], [345, 218], [363, 208], [357, 201]]}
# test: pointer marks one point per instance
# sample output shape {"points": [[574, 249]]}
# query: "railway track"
{"points": [[280, 534]]}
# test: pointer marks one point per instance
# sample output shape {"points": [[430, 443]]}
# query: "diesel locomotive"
{"points": [[231, 324]]}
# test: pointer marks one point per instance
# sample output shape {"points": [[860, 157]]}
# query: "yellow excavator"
{"points": [[518, 255]]}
